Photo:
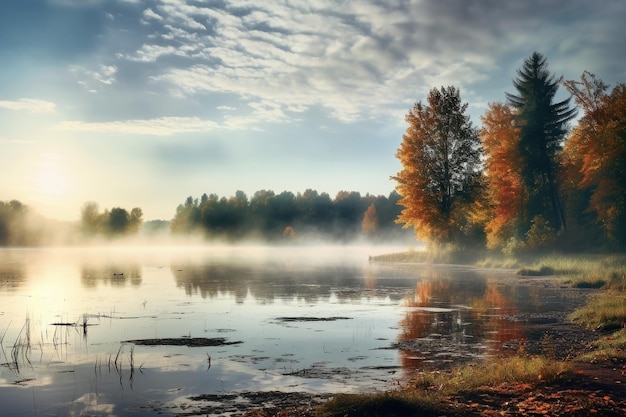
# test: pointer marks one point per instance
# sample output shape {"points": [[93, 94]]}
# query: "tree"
{"points": [[118, 221], [500, 137], [90, 218], [543, 125], [440, 155], [135, 220], [369, 224], [597, 150], [187, 218]]}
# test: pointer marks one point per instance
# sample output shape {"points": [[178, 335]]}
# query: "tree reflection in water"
{"points": [[456, 315]]}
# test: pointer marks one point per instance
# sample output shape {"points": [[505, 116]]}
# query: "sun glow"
{"points": [[51, 177]]}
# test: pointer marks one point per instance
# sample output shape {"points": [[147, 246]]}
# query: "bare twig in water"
{"points": [[5, 332], [117, 357]]}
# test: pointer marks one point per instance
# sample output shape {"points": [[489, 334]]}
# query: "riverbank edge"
{"points": [[584, 385]]}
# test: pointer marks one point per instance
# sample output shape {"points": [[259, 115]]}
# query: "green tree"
{"points": [[440, 155], [118, 221], [543, 124]]}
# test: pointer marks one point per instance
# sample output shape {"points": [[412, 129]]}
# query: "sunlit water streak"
{"points": [[66, 316]]}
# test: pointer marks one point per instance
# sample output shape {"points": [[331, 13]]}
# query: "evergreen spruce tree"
{"points": [[543, 125]]}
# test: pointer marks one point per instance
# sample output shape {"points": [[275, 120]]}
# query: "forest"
{"points": [[266, 216], [538, 174], [285, 216], [526, 180]]}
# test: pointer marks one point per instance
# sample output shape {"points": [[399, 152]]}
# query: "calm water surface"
{"points": [[293, 319]]}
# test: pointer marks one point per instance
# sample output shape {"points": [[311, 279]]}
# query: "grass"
{"points": [[579, 271], [513, 369], [606, 311], [588, 271], [427, 392], [609, 349]]}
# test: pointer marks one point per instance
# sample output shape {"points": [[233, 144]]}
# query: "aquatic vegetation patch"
{"points": [[307, 319], [184, 341]]}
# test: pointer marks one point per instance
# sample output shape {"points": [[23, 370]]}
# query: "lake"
{"points": [[128, 331]]}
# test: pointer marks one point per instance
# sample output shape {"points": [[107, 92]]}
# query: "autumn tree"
{"points": [[440, 155], [369, 224], [597, 153], [543, 124], [500, 137]]}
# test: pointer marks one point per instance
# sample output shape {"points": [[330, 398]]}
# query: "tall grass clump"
{"points": [[428, 391], [606, 311], [590, 271], [506, 370]]}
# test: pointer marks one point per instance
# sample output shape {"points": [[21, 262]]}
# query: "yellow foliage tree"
{"points": [[370, 220], [440, 155]]}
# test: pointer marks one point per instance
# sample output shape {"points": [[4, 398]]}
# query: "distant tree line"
{"points": [[288, 216], [21, 226], [116, 222], [524, 181]]}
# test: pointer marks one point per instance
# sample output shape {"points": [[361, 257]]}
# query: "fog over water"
{"points": [[321, 319]]}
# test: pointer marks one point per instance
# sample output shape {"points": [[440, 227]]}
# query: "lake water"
{"points": [[304, 319]]}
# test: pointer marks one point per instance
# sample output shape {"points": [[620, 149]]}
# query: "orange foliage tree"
{"points": [[369, 224], [597, 153], [440, 155], [500, 138]]}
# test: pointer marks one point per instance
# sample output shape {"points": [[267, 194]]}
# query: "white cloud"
{"points": [[29, 104], [105, 75], [164, 126], [150, 14], [357, 63]]}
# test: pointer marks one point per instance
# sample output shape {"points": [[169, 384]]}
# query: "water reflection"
{"points": [[12, 272], [269, 282], [65, 316], [114, 275], [456, 314]]}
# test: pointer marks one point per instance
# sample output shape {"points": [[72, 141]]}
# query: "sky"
{"points": [[133, 103]]}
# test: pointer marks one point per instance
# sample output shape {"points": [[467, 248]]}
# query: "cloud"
{"points": [[360, 62], [164, 126], [29, 104], [94, 79], [149, 14]]}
